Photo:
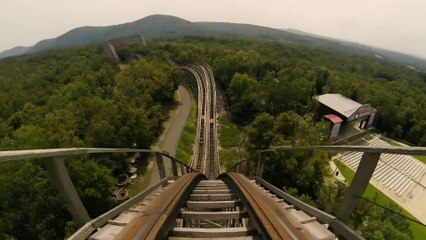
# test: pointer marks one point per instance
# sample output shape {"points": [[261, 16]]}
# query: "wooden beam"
{"points": [[212, 191], [212, 204], [212, 232], [60, 178], [358, 185], [211, 197], [214, 215]]}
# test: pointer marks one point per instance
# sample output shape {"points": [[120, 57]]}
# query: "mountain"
{"points": [[14, 51], [357, 48], [163, 26]]}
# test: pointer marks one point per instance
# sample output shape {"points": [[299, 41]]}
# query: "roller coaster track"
{"points": [[205, 157], [187, 205], [197, 202], [112, 51]]}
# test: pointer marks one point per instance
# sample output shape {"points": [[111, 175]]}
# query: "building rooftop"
{"points": [[333, 118], [339, 103]]}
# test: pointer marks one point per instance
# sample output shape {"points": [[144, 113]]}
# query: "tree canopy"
{"points": [[80, 98], [74, 98]]}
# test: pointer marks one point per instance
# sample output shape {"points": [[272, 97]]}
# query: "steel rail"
{"points": [[197, 160], [214, 145], [158, 223], [207, 119], [269, 224], [417, 151], [205, 152], [16, 155], [338, 226], [352, 148], [85, 231], [211, 164]]}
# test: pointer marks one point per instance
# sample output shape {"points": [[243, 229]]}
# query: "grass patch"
{"points": [[229, 134], [228, 157], [421, 158], [419, 232], [391, 142], [229, 138], [185, 149], [139, 185]]}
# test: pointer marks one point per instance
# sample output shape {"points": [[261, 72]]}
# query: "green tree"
{"points": [[243, 92]]}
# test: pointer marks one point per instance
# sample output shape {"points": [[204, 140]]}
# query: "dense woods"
{"points": [[79, 98], [73, 98], [286, 76], [269, 87]]}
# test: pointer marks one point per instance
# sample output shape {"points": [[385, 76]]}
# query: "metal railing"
{"points": [[88, 228], [58, 174], [363, 173], [338, 226]]}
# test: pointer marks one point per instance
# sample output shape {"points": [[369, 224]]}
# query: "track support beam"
{"points": [[60, 178], [359, 184], [160, 165], [174, 168]]}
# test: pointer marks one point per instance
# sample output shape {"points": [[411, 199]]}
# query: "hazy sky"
{"points": [[391, 24]]}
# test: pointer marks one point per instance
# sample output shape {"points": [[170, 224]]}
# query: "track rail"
{"points": [[231, 206], [158, 223], [205, 157], [269, 223]]}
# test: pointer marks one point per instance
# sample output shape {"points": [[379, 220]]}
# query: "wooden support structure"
{"points": [[182, 169], [214, 215], [359, 184], [174, 167], [160, 165], [213, 204], [213, 232], [260, 165], [60, 178]]}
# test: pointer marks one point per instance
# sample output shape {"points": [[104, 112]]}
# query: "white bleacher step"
{"points": [[404, 187], [391, 177], [405, 179], [396, 181]]}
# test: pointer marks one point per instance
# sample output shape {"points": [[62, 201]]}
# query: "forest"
{"points": [[73, 98], [269, 87], [80, 98]]}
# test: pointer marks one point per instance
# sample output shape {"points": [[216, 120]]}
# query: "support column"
{"points": [[60, 178], [160, 165], [260, 165], [360, 182], [174, 167], [371, 120], [182, 169]]}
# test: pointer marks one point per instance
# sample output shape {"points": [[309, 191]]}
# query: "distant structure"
{"points": [[110, 45], [110, 51], [347, 116]]}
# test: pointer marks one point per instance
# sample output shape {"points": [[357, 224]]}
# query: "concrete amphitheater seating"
{"points": [[396, 172]]}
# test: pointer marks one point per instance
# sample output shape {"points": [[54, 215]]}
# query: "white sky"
{"points": [[391, 24]]}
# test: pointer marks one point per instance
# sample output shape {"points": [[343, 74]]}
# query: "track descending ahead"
{"points": [[205, 157], [201, 203]]}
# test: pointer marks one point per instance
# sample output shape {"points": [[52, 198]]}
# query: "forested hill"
{"points": [[162, 26]]}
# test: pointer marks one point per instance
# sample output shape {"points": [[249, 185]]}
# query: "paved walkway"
{"points": [[334, 169], [172, 135]]}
